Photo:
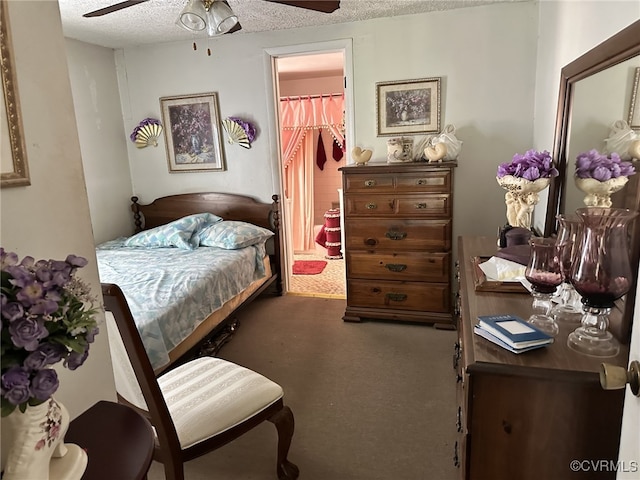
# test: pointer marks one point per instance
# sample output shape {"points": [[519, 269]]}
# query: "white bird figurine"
{"points": [[361, 157]]}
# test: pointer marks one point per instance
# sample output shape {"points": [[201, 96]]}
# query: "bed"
{"points": [[178, 297]]}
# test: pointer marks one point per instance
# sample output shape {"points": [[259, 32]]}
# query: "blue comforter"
{"points": [[170, 291]]}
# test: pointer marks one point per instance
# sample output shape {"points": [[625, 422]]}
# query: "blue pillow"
{"points": [[232, 234], [179, 233]]}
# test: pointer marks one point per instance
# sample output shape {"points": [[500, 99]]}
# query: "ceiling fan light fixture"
{"points": [[193, 16], [220, 18]]}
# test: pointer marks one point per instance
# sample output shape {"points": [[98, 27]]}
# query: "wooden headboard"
{"points": [[229, 206], [226, 205]]}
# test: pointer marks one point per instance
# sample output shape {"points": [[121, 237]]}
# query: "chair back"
{"points": [[146, 394]]}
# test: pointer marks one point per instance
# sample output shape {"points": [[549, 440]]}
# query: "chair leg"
{"points": [[173, 470], [284, 422]]}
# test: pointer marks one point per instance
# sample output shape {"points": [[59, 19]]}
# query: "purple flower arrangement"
{"points": [[593, 164], [530, 166], [47, 317]]}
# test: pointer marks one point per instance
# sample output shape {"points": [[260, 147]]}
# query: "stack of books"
{"points": [[511, 333]]}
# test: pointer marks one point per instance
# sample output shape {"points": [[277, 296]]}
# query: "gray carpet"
{"points": [[371, 400]]}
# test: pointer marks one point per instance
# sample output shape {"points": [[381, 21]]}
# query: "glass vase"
{"points": [[568, 308], [543, 272], [601, 274]]}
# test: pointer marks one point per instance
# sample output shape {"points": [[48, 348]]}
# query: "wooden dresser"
{"points": [[527, 416], [397, 228]]}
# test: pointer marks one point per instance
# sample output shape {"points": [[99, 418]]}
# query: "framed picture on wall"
{"points": [[634, 107], [192, 133], [408, 107], [15, 169]]}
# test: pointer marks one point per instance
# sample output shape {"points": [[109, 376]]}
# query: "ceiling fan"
{"points": [[324, 6]]}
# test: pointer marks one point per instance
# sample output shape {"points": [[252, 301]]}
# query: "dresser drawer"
{"points": [[405, 266], [417, 182], [369, 183], [426, 182], [415, 296], [424, 205], [432, 205], [398, 234]]}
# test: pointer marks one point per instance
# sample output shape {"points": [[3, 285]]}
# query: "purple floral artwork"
{"points": [[408, 107], [191, 133]]}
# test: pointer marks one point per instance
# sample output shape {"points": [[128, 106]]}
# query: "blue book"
{"points": [[513, 330], [485, 334]]}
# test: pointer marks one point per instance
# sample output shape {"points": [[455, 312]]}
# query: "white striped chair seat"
{"points": [[209, 395]]}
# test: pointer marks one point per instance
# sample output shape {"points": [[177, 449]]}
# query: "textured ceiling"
{"points": [[154, 21]]}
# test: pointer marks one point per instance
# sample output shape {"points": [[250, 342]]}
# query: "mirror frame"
{"points": [[18, 176], [617, 49]]}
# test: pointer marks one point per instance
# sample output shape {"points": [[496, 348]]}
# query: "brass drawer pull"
{"points": [[420, 206], [371, 206], [370, 183], [396, 267], [371, 241], [393, 235], [422, 181], [396, 297]]}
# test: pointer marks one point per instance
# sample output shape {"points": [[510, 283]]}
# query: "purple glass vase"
{"points": [[568, 308], [543, 272], [601, 274]]}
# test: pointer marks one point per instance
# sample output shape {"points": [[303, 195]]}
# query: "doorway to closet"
{"points": [[310, 89]]}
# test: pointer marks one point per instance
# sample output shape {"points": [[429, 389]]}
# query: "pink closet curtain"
{"points": [[301, 118]]}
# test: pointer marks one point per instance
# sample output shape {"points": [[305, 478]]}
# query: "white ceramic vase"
{"points": [[34, 448], [599, 193], [521, 198]]}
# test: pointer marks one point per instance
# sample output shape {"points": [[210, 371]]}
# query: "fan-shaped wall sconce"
{"points": [[147, 133], [239, 131]]}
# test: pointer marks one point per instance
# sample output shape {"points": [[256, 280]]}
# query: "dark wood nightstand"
{"points": [[118, 440]]}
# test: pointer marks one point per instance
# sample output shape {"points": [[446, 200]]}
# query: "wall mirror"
{"points": [[595, 91]]}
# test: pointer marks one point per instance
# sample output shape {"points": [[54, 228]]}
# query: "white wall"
{"points": [[94, 83], [487, 93], [50, 218], [568, 29]]}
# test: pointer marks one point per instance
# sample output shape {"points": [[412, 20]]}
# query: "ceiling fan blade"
{"points": [[113, 8], [324, 6]]}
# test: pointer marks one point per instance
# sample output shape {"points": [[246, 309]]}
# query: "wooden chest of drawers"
{"points": [[397, 228]]}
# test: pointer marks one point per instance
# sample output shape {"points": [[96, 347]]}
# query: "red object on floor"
{"points": [[308, 267], [330, 233]]}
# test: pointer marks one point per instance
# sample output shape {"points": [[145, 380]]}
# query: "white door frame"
{"points": [[272, 95]]}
